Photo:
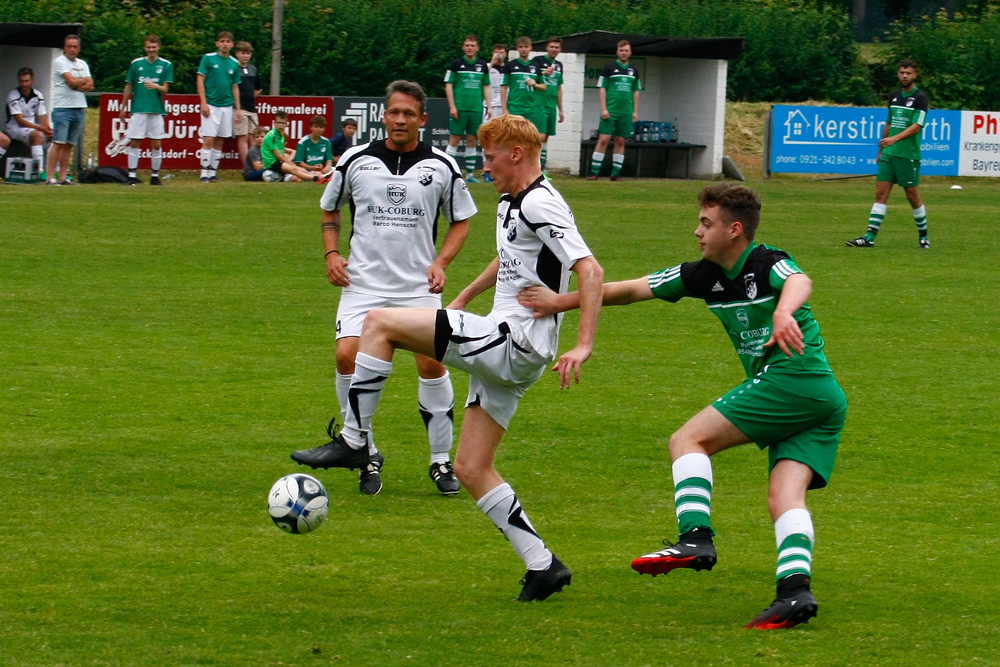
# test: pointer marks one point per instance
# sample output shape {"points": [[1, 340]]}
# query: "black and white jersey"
{"points": [[29, 107], [395, 200], [537, 243]]}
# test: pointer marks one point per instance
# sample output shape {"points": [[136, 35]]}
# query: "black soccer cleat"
{"points": [[540, 584], [791, 608], [132, 180], [925, 243], [369, 478], [694, 550], [334, 454], [860, 242], [444, 476], [155, 180]]}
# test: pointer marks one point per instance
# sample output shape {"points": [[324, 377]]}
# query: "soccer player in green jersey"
{"points": [[147, 81], [789, 404], [314, 152], [219, 90], [551, 106], [619, 87], [899, 157], [277, 165], [467, 86], [522, 83]]}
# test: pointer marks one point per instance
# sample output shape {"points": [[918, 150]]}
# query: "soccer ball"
{"points": [[270, 177], [298, 503]]}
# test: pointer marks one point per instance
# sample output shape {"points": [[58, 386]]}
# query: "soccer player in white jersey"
{"points": [[395, 188], [27, 116], [506, 351]]}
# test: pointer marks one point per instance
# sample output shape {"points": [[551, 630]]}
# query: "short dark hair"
{"points": [[907, 62], [554, 38], [225, 34], [243, 47], [151, 39], [470, 38], [407, 88], [624, 42], [318, 121], [499, 46], [523, 40], [737, 202], [350, 122], [25, 71], [280, 114]]}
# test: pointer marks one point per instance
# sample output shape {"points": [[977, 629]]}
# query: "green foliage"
{"points": [[956, 57]]}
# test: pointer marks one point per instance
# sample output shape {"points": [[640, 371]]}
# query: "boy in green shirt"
{"points": [[277, 165], [467, 87], [314, 152], [147, 81], [218, 83]]}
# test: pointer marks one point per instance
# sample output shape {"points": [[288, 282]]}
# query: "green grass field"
{"points": [[163, 351]]}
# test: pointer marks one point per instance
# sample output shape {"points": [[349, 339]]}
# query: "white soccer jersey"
{"points": [[29, 108], [395, 199], [537, 243]]}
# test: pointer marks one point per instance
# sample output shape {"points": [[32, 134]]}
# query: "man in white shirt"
{"points": [[27, 116], [70, 80]]}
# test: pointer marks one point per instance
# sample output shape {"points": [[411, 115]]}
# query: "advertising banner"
{"points": [[369, 112], [980, 155], [844, 140], [182, 147]]}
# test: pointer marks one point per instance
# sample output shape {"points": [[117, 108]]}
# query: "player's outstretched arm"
{"points": [[336, 265], [590, 278], [544, 302], [486, 280], [785, 331], [453, 242]]}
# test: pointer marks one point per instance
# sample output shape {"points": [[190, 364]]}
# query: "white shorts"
{"points": [[146, 126], [219, 122], [20, 133], [245, 123], [354, 307], [496, 354]]}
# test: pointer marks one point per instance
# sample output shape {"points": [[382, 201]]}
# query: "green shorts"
{"points": [[617, 126], [796, 415], [467, 123], [548, 117], [900, 170]]}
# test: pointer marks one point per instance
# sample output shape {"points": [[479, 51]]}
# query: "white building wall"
{"points": [[39, 59]]}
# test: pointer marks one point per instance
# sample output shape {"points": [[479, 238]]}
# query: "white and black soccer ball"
{"points": [[298, 503], [270, 177]]}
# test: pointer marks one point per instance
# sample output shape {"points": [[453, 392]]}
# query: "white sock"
{"points": [[437, 407], [206, 161], [216, 157], [504, 510], [343, 385], [369, 378], [157, 160], [452, 151], [37, 153], [133, 161], [693, 491]]}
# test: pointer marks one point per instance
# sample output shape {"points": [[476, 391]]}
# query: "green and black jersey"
{"points": [[620, 80], [467, 79], [744, 299], [549, 96], [905, 109], [521, 99]]}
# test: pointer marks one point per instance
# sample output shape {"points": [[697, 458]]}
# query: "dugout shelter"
{"points": [[684, 78], [34, 45]]}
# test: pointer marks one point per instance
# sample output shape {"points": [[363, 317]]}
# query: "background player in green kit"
{"points": [[314, 151], [899, 156], [522, 85], [147, 81], [790, 402], [218, 88], [619, 87], [467, 86], [550, 108]]}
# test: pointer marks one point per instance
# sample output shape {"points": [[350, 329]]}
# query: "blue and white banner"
{"points": [[844, 140]]}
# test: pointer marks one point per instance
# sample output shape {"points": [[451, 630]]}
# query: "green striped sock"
{"points": [[595, 163], [618, 160], [920, 217], [545, 154], [693, 492], [470, 160], [794, 556]]}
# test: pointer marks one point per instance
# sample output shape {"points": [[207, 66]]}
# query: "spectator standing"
{"points": [[147, 81], [246, 121], [70, 80], [551, 107], [219, 90], [467, 86], [619, 88]]}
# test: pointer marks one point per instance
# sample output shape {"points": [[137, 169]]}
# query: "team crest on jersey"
{"points": [[396, 193], [909, 102], [510, 224], [750, 285], [425, 175], [742, 316]]}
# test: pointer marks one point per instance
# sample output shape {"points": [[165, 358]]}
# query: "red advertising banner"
{"points": [[182, 147]]}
